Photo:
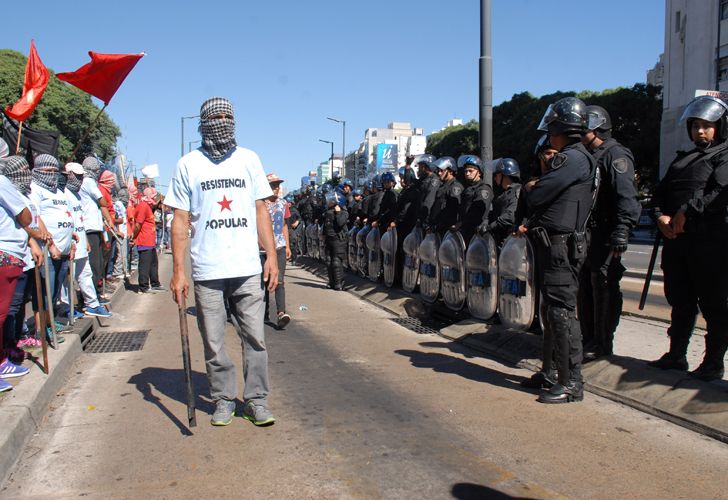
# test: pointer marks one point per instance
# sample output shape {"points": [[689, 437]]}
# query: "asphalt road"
{"points": [[365, 409]]}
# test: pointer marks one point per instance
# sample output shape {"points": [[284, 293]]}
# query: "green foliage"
{"points": [[636, 113], [63, 107]]}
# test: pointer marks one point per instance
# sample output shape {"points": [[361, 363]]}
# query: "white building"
{"points": [[402, 134], [325, 171], [695, 58]]}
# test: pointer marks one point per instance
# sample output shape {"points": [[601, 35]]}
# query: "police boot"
{"points": [[675, 358], [569, 387], [712, 366], [540, 380]]}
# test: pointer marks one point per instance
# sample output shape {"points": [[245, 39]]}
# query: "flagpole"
{"points": [[85, 135], [20, 130]]}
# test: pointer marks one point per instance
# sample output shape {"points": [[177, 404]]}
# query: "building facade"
{"points": [[695, 58]]}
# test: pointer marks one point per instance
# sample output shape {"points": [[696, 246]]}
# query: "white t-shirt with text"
{"points": [[75, 205], [220, 198], [56, 215], [13, 238], [90, 196]]}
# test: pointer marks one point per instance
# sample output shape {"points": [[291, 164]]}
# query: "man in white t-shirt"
{"points": [[219, 189]]}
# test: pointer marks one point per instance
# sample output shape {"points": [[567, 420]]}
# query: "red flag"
{"points": [[103, 75], [36, 81]]}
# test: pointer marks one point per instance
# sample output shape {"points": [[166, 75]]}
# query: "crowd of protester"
{"points": [[62, 219]]}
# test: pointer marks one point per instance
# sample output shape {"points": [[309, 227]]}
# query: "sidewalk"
{"points": [[623, 377]]}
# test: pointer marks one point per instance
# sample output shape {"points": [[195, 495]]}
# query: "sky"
{"points": [[287, 65]]}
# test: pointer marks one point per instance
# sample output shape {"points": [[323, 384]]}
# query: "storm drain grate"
{"points": [[117, 342], [415, 324]]}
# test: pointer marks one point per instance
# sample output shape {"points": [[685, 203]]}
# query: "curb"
{"points": [[23, 409], [670, 395]]}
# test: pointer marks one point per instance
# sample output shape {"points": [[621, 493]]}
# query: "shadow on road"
{"points": [[443, 363], [467, 491], [171, 383]]}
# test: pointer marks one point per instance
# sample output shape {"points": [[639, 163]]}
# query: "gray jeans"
{"points": [[245, 299]]}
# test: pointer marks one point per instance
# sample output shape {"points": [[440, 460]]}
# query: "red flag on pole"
{"points": [[36, 81], [103, 75]]}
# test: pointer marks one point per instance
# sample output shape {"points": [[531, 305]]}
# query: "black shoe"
{"points": [[670, 361], [572, 392], [539, 380], [708, 370]]}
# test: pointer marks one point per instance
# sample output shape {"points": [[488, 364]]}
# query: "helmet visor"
{"points": [[706, 108], [549, 116], [594, 121]]}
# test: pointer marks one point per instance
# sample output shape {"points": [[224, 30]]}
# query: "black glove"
{"points": [[456, 226], [482, 228], [619, 239]]}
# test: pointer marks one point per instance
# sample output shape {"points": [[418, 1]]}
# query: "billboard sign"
{"points": [[386, 157]]}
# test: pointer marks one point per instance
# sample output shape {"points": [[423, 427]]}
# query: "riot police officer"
{"points": [[429, 183], [445, 211], [357, 196], [561, 201], [335, 234], [502, 220], [388, 203], [615, 214], [691, 211], [476, 198]]}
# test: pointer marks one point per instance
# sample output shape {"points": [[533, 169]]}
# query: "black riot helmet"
{"points": [[598, 120], [509, 167], [710, 109], [542, 144], [566, 116]]}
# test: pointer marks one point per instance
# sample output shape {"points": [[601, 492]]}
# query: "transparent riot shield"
{"points": [[321, 243], [429, 268], [361, 250], [481, 268], [411, 264], [351, 249], [310, 240], [374, 253], [451, 257], [389, 255], [516, 279]]}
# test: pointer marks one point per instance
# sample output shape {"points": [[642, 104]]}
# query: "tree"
{"points": [[636, 113], [63, 107]]}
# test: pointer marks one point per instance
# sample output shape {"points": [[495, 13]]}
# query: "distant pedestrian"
{"points": [[144, 237], [219, 189], [279, 213]]}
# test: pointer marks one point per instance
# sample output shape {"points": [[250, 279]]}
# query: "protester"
{"points": [[279, 213], [14, 217], [144, 237], [223, 187]]}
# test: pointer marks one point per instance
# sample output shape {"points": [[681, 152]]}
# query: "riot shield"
{"points": [[310, 240], [389, 255], [321, 243], [481, 268], [361, 250], [374, 254], [451, 257], [429, 268], [411, 264], [516, 279], [351, 248]]}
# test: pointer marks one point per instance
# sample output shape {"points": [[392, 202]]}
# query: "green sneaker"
{"points": [[224, 412], [258, 414]]}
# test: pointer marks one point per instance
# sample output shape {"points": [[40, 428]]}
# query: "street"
{"points": [[364, 408]]}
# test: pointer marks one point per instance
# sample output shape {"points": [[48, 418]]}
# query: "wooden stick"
{"points": [[85, 135], [41, 316], [186, 362], [20, 131]]}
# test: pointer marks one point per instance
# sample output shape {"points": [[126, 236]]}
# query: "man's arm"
{"points": [[288, 241], [180, 225], [265, 239], [105, 212]]}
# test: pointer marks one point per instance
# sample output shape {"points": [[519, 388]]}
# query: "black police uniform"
{"points": [[306, 208], [502, 220], [475, 205], [562, 200], [695, 263], [387, 209], [445, 210], [615, 214], [335, 234], [428, 188]]}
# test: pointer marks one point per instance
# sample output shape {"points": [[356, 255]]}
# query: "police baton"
{"points": [[650, 270], [186, 361]]}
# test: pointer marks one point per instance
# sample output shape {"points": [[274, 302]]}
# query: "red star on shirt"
{"points": [[225, 203], [68, 213]]}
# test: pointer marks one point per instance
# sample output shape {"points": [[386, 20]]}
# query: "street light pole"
{"points": [[331, 161], [182, 128], [343, 143], [190, 143], [486, 89]]}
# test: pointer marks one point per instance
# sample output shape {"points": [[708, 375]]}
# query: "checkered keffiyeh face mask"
{"points": [[92, 167], [17, 170], [45, 172], [218, 134], [74, 182]]}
